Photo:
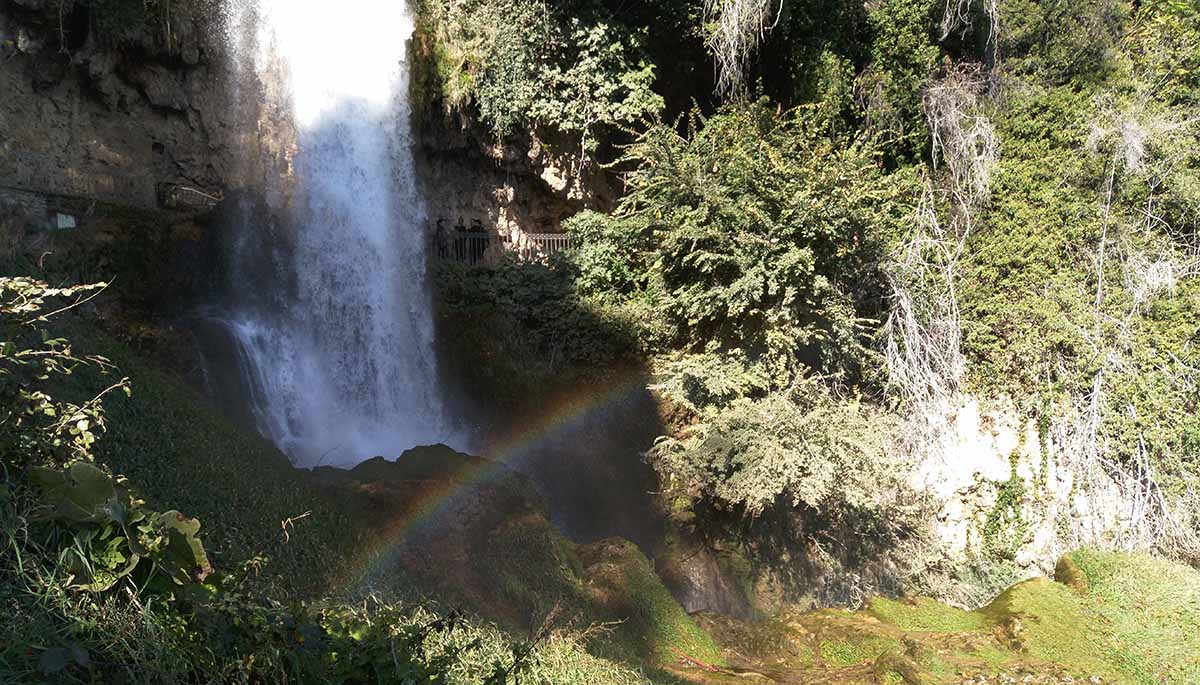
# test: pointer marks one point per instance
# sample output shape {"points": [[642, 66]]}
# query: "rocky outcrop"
{"points": [[115, 117], [526, 184], [1007, 491], [702, 579], [476, 535], [147, 117]]}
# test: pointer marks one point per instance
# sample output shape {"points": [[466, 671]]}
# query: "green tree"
{"points": [[763, 232]]}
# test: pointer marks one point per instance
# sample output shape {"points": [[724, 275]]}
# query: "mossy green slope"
{"points": [[620, 579], [1124, 618], [1137, 620], [181, 453]]}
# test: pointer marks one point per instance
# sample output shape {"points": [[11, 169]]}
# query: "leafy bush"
{"points": [[1026, 259], [98, 587], [903, 56], [527, 64], [606, 255], [763, 234], [757, 236], [1061, 40], [98, 529], [521, 329], [597, 82], [1164, 50], [807, 448]]}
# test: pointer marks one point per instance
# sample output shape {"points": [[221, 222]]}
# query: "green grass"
{"points": [[1138, 621], [1150, 610], [180, 453], [856, 649], [993, 656], [923, 614], [1135, 619]]}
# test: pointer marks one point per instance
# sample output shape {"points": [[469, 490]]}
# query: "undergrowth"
{"points": [[1134, 623], [99, 586]]}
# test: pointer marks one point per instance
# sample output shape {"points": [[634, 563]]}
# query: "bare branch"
{"points": [[740, 27]]}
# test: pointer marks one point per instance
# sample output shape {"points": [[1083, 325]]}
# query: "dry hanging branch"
{"points": [[923, 335], [957, 18], [740, 27], [1130, 508], [963, 138], [290, 523]]}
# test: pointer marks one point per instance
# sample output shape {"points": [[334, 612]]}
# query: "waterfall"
{"points": [[326, 308]]}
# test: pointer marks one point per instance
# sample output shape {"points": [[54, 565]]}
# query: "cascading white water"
{"points": [[337, 353]]}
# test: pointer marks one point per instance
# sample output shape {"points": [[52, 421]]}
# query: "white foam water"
{"points": [[337, 360]]}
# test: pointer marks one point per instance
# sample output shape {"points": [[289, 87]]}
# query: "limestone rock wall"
{"points": [[525, 185], [23, 202], [112, 119], [120, 119], [1006, 487]]}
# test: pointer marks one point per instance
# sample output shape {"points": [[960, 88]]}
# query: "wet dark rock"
{"points": [[701, 580], [162, 87]]}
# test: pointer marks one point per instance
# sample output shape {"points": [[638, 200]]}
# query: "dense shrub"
{"points": [[1164, 49], [1078, 284], [1061, 40], [760, 232], [755, 240], [527, 64], [99, 587], [804, 448], [903, 57], [519, 331]]}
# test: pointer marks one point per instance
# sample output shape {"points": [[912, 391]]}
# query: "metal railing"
{"points": [[470, 248], [473, 247], [550, 243]]}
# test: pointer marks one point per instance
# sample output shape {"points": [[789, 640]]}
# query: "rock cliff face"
{"points": [[157, 115], [140, 116], [1005, 487], [152, 115], [527, 184]]}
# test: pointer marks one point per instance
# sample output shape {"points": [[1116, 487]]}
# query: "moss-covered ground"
{"points": [[1115, 618], [489, 551], [1135, 619]]}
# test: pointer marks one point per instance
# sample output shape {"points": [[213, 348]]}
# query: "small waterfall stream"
{"points": [[329, 314]]}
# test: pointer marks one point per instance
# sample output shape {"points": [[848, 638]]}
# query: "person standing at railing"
{"points": [[441, 243], [479, 241], [460, 241]]}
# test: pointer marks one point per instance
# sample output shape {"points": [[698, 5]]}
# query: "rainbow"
{"points": [[502, 455]]}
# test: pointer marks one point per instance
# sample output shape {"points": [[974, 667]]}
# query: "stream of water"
{"points": [[333, 333]]}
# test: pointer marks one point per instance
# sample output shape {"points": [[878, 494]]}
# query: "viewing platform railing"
{"points": [[475, 248]]}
